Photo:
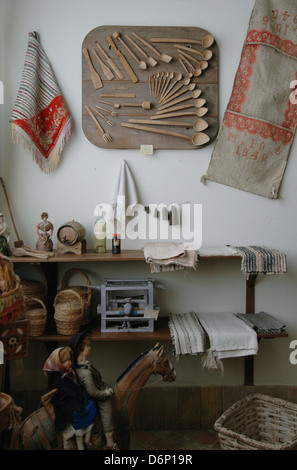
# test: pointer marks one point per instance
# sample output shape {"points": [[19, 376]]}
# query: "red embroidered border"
{"points": [[266, 37], [255, 126]]}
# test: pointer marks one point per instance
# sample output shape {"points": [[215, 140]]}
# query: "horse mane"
{"points": [[130, 367]]}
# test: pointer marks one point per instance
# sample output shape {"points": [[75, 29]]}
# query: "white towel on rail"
{"points": [[228, 337]]}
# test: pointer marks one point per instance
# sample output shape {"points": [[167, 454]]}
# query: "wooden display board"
{"points": [[148, 85]]}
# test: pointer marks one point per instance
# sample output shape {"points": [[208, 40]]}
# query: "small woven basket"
{"points": [[35, 289], [36, 316], [68, 313], [84, 291], [258, 422], [6, 404]]}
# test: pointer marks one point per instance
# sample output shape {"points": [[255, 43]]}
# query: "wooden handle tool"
{"points": [[141, 64], [96, 79], [110, 62], [164, 57], [118, 95], [150, 60], [123, 60], [107, 72], [207, 41], [144, 105]]}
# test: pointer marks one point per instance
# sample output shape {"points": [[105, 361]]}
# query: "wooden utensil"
{"points": [[197, 104], [118, 95], [113, 113], [197, 139], [164, 57], [106, 137], [104, 117], [150, 60], [203, 64], [123, 60], [19, 243], [187, 88], [144, 105], [196, 70], [207, 41], [96, 79], [202, 111], [198, 125], [196, 112], [195, 94], [141, 64], [166, 97], [188, 73], [110, 62], [166, 82], [179, 76], [206, 55], [116, 106], [106, 70]]}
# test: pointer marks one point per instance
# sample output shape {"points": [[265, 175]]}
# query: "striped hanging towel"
{"points": [[40, 120]]}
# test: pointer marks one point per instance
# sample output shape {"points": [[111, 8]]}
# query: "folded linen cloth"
{"points": [[188, 337], [228, 337], [40, 120], [169, 256], [124, 196], [262, 322], [261, 260]]}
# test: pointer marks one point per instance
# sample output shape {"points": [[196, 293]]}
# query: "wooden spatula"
{"points": [[96, 79]]}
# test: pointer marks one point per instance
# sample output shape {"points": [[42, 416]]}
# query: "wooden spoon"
{"points": [[187, 88], [198, 125], [164, 57], [150, 60], [206, 55], [207, 41], [185, 81], [188, 73], [141, 64], [196, 112], [195, 94], [197, 104], [179, 76], [196, 71], [197, 139], [170, 77], [202, 65]]}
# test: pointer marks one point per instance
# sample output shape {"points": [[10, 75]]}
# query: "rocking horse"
{"points": [[38, 431]]}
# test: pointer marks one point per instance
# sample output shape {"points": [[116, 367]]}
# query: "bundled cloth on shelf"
{"points": [[228, 337], [261, 260], [186, 333], [262, 322], [40, 120], [169, 256]]}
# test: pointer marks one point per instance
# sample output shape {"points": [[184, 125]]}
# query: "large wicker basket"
{"points": [[68, 313], [258, 422], [84, 291], [6, 404], [36, 316]]}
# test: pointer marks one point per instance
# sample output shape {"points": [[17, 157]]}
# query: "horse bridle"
{"points": [[158, 361]]}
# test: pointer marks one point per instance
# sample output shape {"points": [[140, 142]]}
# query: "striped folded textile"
{"points": [[187, 335], [262, 322], [40, 120], [261, 260]]}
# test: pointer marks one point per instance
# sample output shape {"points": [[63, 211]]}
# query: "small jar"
{"points": [[116, 244]]}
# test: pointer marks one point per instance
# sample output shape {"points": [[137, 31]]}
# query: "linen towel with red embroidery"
{"points": [[40, 120], [254, 141]]}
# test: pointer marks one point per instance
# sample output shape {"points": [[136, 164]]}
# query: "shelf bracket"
{"points": [[249, 308]]}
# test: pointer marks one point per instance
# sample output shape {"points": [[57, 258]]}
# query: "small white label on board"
{"points": [[147, 149]]}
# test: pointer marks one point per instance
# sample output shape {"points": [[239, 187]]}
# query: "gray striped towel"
{"points": [[40, 120], [188, 336], [261, 260], [262, 322]]}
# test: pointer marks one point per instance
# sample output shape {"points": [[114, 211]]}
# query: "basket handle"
{"points": [[30, 300], [78, 271], [73, 292]]}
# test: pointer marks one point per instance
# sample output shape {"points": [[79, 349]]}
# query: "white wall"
{"points": [[86, 175]]}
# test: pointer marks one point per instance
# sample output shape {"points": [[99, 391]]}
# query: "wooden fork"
{"points": [[106, 137], [104, 117]]}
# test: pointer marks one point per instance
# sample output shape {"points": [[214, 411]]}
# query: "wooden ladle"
{"points": [[206, 42], [198, 139], [195, 94], [141, 64]]}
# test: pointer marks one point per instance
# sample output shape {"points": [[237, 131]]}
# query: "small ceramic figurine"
{"points": [[44, 231], [75, 411], [90, 378], [4, 237]]}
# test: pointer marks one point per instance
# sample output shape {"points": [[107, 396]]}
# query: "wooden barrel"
{"points": [[71, 233]]}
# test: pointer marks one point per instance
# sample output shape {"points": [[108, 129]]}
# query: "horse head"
{"points": [[161, 364]]}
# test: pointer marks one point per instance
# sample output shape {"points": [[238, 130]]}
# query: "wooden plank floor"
{"points": [[191, 439]]}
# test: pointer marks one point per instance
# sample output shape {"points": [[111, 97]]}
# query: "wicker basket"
{"points": [[6, 404], [258, 422], [12, 302], [68, 313], [36, 316], [84, 291], [35, 289]]}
